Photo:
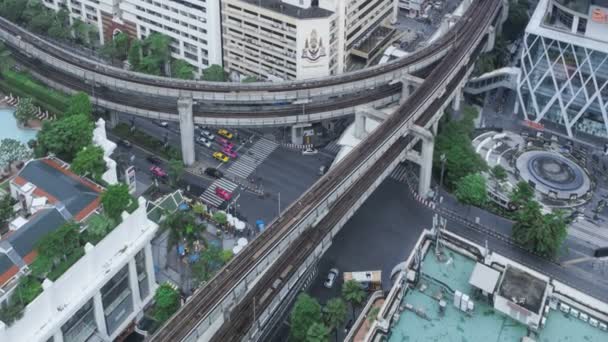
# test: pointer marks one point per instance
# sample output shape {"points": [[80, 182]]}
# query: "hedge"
{"points": [[21, 84]]}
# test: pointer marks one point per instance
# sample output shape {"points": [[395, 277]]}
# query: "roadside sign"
{"points": [[130, 177], [535, 125]]}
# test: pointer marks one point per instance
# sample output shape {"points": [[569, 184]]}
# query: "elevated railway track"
{"points": [[317, 211]]}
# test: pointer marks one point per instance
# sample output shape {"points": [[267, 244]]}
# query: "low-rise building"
{"points": [[102, 293]]}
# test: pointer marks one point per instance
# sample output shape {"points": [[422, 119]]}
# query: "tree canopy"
{"points": [[306, 311], [166, 302], [353, 293], [517, 20], [175, 171], [215, 73], [89, 162], [543, 234], [65, 137], [182, 227], [115, 200], [25, 111], [182, 69], [12, 150], [335, 313], [6, 209], [471, 189], [80, 103], [454, 141], [521, 194], [317, 332], [499, 173]]}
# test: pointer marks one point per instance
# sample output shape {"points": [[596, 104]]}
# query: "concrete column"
{"points": [[150, 269], [296, 135], [58, 336], [100, 318], [435, 127], [491, 39], [113, 119], [405, 91], [395, 14], [516, 108], [359, 124], [426, 166], [426, 159], [133, 283], [456, 100], [186, 127]]}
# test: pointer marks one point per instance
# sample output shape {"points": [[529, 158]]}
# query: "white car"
{"points": [[309, 151], [331, 278], [164, 124], [204, 142], [205, 133]]}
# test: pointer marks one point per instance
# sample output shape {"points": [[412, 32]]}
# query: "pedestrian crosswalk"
{"points": [[589, 232], [247, 163], [332, 147], [209, 195], [400, 173]]}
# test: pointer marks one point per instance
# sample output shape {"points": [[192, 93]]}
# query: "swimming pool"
{"points": [[9, 128]]}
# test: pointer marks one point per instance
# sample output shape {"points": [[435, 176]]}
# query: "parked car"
{"points": [[164, 124], [309, 151], [154, 159], [213, 172], [228, 145], [221, 157], [204, 142], [230, 153], [223, 193], [206, 134], [157, 171], [224, 133], [331, 278], [124, 143]]}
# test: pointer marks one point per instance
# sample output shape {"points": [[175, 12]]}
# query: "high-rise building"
{"points": [[299, 39], [565, 66], [193, 25]]}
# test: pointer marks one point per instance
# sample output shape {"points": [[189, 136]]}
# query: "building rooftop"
{"points": [[279, 6], [68, 197], [523, 289], [484, 278], [61, 186]]}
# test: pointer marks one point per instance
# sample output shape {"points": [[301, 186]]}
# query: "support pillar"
{"points": [[137, 304], [456, 100], [491, 39], [296, 135], [426, 159], [100, 318], [360, 124], [113, 119], [186, 127], [407, 83]]}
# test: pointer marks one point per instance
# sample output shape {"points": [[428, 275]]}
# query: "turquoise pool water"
{"points": [[9, 129], [484, 324]]}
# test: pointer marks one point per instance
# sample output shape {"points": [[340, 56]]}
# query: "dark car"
{"points": [[124, 143], [154, 159], [213, 172]]}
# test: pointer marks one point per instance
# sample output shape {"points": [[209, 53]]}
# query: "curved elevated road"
{"points": [[298, 221]]}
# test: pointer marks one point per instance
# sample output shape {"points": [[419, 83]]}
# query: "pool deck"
{"points": [[424, 322]]}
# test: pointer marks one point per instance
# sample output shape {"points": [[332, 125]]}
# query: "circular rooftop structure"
{"points": [[553, 175]]}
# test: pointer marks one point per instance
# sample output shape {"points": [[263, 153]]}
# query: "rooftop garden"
{"points": [[62, 248]]}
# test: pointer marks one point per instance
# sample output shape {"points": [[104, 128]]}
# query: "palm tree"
{"points": [[353, 293], [182, 226], [335, 313], [317, 332]]}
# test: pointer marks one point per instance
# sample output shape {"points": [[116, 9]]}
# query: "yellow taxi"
{"points": [[221, 157], [224, 133]]}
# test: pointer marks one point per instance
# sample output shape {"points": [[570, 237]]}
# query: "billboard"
{"points": [[313, 48], [130, 178]]}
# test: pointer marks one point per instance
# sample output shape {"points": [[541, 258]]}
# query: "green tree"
{"points": [[58, 31], [182, 227], [25, 111], [522, 193], [6, 209], [353, 293], [454, 140], [543, 234], [115, 200], [517, 20], [220, 217], [317, 332], [182, 70], [135, 55], [118, 48], [306, 311], [56, 247], [79, 103], [175, 171], [89, 162], [158, 46], [373, 314], [12, 9], [65, 137], [80, 31], [166, 302], [335, 314], [98, 228], [499, 173], [12, 150], [150, 65], [41, 23], [215, 73], [472, 190]]}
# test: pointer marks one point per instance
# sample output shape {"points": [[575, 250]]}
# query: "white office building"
{"points": [[193, 25], [298, 39], [413, 8], [564, 66], [101, 295]]}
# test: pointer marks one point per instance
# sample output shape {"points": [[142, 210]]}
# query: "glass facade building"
{"points": [[565, 68]]}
